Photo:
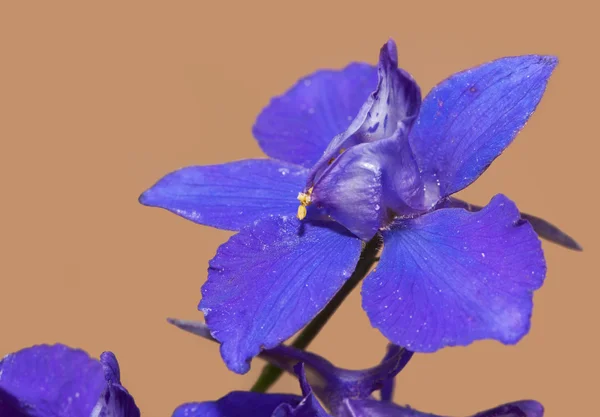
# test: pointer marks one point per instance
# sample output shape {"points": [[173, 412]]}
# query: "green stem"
{"points": [[270, 373]]}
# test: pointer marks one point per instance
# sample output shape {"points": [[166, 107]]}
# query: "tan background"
{"points": [[99, 99]]}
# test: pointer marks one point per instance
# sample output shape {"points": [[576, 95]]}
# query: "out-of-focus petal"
{"points": [[229, 196], [452, 277], [330, 383], [309, 406], [543, 228], [298, 125], [373, 408], [116, 400], [467, 120], [525, 408], [238, 404], [271, 279], [50, 381]]}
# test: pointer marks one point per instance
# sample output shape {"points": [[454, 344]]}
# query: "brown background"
{"points": [[99, 99]]}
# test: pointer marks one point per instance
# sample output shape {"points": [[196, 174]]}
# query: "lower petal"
{"points": [[271, 279], [452, 277], [229, 196]]}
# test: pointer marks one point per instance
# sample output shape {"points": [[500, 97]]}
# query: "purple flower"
{"points": [[345, 393], [58, 381], [365, 157]]}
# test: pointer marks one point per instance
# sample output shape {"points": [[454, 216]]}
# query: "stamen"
{"points": [[301, 212], [305, 200]]}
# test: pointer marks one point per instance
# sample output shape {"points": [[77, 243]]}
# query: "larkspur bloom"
{"points": [[58, 381], [366, 158], [344, 393]]}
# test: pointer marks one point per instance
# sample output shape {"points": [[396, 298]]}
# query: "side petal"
{"points": [[370, 184], [50, 381], [270, 279], [229, 196], [298, 125], [543, 228], [452, 277], [469, 119], [238, 403]]}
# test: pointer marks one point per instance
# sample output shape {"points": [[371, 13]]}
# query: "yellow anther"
{"points": [[301, 212], [305, 200]]}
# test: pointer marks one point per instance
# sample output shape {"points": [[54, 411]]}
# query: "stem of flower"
{"points": [[270, 373]]}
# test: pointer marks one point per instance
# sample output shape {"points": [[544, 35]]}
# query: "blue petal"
{"points": [[373, 408], [309, 406], [469, 119], [269, 280], [238, 404], [370, 184], [297, 126], [50, 381], [116, 400], [112, 370], [525, 408], [330, 384], [336, 385], [543, 228], [389, 112], [231, 195], [452, 277]]}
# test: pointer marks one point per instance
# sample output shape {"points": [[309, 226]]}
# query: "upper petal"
{"points": [[50, 381], [389, 111], [238, 403], [466, 121], [229, 196], [452, 277], [298, 125], [270, 279]]}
